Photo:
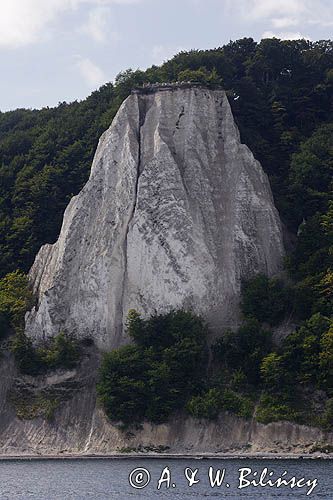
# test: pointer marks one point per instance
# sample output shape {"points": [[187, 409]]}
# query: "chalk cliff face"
{"points": [[175, 213]]}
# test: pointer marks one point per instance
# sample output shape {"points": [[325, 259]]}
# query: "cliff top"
{"points": [[150, 88]]}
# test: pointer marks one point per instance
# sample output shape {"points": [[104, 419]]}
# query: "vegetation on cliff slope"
{"points": [[58, 352], [15, 299], [281, 96], [152, 378], [166, 369], [291, 379]]}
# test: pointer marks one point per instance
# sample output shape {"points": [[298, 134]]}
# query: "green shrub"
{"points": [[238, 380], [213, 401], [306, 296], [33, 406], [326, 419], [266, 300], [244, 349], [237, 403], [122, 384], [59, 352], [305, 350], [207, 405], [326, 358], [26, 356], [62, 352], [273, 409], [273, 372], [15, 300], [154, 377]]}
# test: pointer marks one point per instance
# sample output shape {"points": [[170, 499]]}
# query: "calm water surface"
{"points": [[109, 479]]}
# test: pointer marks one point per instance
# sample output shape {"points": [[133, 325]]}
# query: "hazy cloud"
{"points": [[93, 75], [284, 22], [21, 20], [272, 8], [285, 14], [24, 21], [161, 53], [285, 35], [98, 25]]}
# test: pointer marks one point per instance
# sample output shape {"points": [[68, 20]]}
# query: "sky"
{"points": [[61, 50]]}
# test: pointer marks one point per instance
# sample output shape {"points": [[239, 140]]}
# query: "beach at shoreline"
{"points": [[174, 456]]}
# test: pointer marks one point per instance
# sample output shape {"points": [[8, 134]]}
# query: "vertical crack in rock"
{"points": [[142, 111]]}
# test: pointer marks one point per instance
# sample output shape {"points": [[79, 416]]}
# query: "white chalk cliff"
{"points": [[175, 214]]}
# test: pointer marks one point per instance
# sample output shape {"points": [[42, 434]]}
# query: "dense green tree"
{"points": [[207, 405], [155, 376], [26, 357], [15, 300], [309, 265], [273, 372], [267, 300], [122, 386], [311, 173], [325, 373], [58, 352], [61, 352], [305, 347], [201, 75], [163, 331], [243, 349]]}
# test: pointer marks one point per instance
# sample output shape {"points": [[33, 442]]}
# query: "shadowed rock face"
{"points": [[175, 214]]}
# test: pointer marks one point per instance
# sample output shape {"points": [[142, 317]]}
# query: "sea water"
{"points": [[142, 478]]}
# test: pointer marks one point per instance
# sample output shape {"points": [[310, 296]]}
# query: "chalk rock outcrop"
{"points": [[176, 213]]}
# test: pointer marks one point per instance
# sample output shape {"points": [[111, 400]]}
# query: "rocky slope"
{"points": [[175, 213], [77, 426]]}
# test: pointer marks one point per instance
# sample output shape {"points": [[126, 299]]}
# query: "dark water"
{"points": [[109, 479]]}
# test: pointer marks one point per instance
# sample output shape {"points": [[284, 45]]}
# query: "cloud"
{"points": [[259, 9], [97, 26], [285, 13], [285, 35], [93, 75], [161, 53], [96, 23], [23, 22], [284, 22]]}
